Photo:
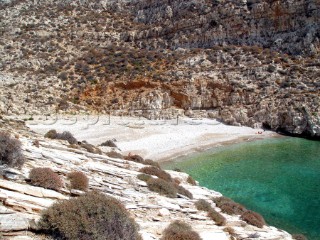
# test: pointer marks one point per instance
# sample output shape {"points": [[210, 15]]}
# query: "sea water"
{"points": [[279, 178]]}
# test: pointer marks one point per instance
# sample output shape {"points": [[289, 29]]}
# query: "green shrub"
{"points": [[92, 216], [229, 206], [10, 151], [191, 181], [217, 217], [253, 218], [181, 190], [45, 177], [144, 177], [78, 180], [156, 172], [299, 237], [179, 230], [162, 187], [203, 205]]}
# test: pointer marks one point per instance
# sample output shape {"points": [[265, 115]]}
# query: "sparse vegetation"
{"points": [[179, 230], [78, 180], [92, 216], [10, 151], [45, 177], [156, 172], [253, 218], [162, 187]]}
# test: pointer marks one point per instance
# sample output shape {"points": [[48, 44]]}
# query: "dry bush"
{"points": [[114, 154], [191, 181], [78, 180], [144, 177], [162, 187], [45, 177], [181, 190], [151, 163], [139, 159], [92, 216], [90, 148], [203, 205], [299, 237], [134, 158], [53, 134], [68, 137], [179, 230], [229, 230], [253, 218], [108, 143], [217, 217], [10, 151], [156, 172], [229, 206]]}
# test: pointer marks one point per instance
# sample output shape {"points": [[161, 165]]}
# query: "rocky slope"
{"points": [[22, 203], [289, 26], [153, 58]]}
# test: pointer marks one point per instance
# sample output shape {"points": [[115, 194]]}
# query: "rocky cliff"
{"points": [[21, 203], [288, 26], [253, 63]]}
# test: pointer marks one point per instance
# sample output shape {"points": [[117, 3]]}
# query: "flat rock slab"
{"points": [[4, 210], [30, 190], [13, 222], [210, 235]]}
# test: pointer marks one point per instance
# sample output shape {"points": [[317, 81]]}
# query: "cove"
{"points": [[279, 178]]}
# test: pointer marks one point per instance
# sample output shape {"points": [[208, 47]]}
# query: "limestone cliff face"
{"points": [[253, 63], [289, 26]]}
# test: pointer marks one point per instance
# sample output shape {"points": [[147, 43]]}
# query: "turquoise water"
{"points": [[279, 178]]}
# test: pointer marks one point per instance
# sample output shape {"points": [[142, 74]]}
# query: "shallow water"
{"points": [[279, 178]]}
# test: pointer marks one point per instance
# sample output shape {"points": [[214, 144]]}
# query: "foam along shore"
{"points": [[159, 140]]}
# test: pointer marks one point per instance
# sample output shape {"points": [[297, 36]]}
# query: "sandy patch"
{"points": [[154, 139]]}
